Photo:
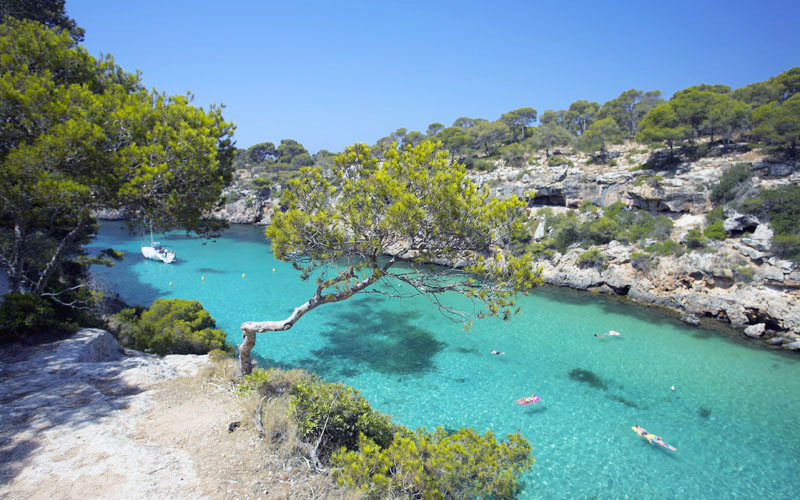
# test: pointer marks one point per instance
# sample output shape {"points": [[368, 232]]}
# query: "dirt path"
{"points": [[83, 419]]}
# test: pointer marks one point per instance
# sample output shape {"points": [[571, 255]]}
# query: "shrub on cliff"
{"points": [[592, 258], [731, 180], [23, 315], [170, 326], [436, 465], [333, 416]]}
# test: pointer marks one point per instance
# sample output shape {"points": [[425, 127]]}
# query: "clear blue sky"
{"points": [[332, 73]]}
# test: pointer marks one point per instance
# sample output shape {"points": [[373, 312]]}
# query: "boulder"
{"points": [[539, 233], [755, 331], [793, 345], [690, 318], [775, 341], [771, 273], [761, 239], [738, 223]]}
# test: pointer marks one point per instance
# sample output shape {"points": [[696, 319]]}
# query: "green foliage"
{"points": [[787, 246], [557, 160], [593, 258], [515, 155], [436, 466], [551, 135], [752, 206], [25, 315], [588, 206], [694, 239], [599, 135], [664, 248], [782, 207], [417, 196], [50, 13], [744, 274], [715, 231], [779, 124], [171, 326], [80, 134], [731, 179], [334, 416], [274, 381], [715, 215], [612, 163]]}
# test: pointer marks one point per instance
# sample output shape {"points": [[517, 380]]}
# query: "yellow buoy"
{"points": [[273, 269], [242, 275], [203, 278], [170, 283]]}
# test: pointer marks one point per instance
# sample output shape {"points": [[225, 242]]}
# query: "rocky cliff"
{"points": [[704, 283]]}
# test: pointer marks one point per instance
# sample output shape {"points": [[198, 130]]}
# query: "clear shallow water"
{"points": [[733, 416]]}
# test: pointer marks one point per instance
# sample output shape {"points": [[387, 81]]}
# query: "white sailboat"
{"points": [[157, 252]]}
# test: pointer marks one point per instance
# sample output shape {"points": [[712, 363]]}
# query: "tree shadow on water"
{"points": [[363, 338]]}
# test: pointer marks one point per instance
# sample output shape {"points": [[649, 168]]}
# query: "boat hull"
{"points": [[162, 254]]}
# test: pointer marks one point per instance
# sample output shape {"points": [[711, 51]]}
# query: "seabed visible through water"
{"points": [[733, 415]]}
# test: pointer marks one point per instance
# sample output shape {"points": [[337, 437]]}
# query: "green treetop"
{"points": [[79, 135], [416, 204]]}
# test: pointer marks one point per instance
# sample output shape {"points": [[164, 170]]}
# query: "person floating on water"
{"points": [[498, 353], [611, 333]]}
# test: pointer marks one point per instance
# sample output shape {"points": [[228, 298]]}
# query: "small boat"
{"points": [[652, 438], [157, 252]]}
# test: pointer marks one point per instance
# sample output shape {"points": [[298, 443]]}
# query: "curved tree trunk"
{"points": [[251, 328]]}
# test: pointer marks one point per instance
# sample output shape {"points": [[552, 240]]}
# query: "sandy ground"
{"points": [[132, 427]]}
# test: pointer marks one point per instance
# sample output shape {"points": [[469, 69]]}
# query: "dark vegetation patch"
{"points": [[704, 413], [588, 377], [382, 341], [620, 399]]}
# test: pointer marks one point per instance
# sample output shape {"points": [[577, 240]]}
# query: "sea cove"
{"points": [[732, 415]]}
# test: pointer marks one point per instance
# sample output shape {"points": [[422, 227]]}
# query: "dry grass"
{"points": [[265, 416]]}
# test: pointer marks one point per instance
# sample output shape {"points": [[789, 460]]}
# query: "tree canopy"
{"points": [[79, 135], [414, 205], [51, 13]]}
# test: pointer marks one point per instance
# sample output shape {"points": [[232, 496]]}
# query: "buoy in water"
{"points": [[242, 275], [203, 278], [170, 283], [273, 269], [673, 387]]}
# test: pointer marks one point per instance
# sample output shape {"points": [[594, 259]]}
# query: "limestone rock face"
{"points": [[737, 223], [761, 239]]}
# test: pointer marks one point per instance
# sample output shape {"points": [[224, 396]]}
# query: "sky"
{"points": [[332, 73]]}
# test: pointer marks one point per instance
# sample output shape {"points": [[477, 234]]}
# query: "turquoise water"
{"points": [[733, 415]]}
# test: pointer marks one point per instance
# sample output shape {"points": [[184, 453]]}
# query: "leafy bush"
{"points": [[557, 160], [715, 231], [782, 206], [437, 465], [273, 381], [694, 239], [592, 258], [753, 206], [664, 248], [715, 215], [541, 250], [744, 274], [724, 190], [588, 206], [170, 326], [335, 415], [23, 315], [612, 163], [787, 246]]}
